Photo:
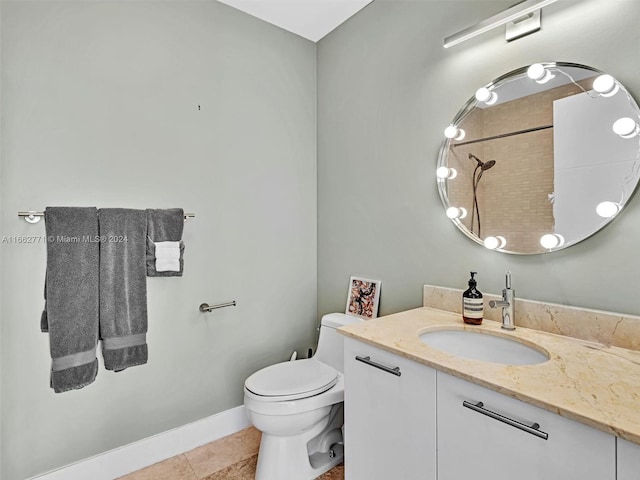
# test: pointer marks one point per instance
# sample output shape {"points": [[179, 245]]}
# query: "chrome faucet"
{"points": [[507, 303]]}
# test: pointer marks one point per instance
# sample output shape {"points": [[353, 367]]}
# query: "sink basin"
{"points": [[483, 346]]}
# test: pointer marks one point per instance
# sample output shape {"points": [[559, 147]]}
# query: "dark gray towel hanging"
{"points": [[71, 309], [123, 287]]}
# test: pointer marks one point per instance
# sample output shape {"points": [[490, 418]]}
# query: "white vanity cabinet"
{"points": [[485, 435], [390, 416], [628, 460]]}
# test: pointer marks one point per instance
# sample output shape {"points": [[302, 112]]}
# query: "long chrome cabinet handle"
{"points": [[532, 429], [368, 361]]}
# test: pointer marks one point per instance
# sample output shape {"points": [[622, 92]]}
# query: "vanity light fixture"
{"points": [[606, 85], [539, 73], [446, 173], [456, 212], [626, 127], [608, 209], [521, 19], [487, 96], [552, 240], [495, 242], [454, 133]]}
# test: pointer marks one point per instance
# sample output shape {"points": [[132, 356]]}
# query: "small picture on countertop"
{"points": [[364, 296]]}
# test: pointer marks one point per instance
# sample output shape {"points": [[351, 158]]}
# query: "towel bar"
{"points": [[34, 217], [205, 307]]}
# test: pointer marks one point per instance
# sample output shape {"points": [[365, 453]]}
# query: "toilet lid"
{"points": [[297, 379]]}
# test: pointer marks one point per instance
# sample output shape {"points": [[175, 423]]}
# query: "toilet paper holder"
{"points": [[205, 307]]}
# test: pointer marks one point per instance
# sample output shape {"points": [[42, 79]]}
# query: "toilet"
{"points": [[298, 407]]}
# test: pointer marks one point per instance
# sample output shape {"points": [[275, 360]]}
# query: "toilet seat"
{"points": [[292, 380]]}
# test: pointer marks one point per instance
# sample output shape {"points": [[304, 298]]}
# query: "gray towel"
{"points": [[123, 287], [164, 226], [71, 292]]}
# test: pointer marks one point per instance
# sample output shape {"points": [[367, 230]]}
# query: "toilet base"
{"points": [[304, 456]]}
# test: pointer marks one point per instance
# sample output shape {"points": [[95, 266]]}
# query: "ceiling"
{"points": [[311, 19]]}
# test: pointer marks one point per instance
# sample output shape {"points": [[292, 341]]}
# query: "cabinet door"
{"points": [[472, 444], [389, 419], [628, 460]]}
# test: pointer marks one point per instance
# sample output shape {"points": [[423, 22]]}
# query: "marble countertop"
{"points": [[583, 381]]}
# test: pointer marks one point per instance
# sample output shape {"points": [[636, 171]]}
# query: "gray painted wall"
{"points": [[386, 90], [100, 108]]}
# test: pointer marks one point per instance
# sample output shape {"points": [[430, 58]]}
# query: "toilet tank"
{"points": [[331, 343]]}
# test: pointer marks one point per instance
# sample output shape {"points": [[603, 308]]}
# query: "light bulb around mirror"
{"points": [[487, 96], [551, 240], [606, 85], [446, 173], [493, 243], [454, 132], [456, 212], [626, 127], [608, 209], [538, 73]]}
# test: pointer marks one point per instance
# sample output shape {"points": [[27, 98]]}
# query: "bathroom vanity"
{"points": [[415, 412]]}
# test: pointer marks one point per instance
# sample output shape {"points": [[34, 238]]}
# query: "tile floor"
{"points": [[230, 458]]}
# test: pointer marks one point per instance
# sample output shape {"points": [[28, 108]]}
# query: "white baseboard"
{"points": [[129, 458]]}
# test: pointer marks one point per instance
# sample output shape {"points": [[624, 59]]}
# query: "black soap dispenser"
{"points": [[472, 303]]}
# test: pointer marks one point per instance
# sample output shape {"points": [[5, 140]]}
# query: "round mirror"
{"points": [[541, 158]]}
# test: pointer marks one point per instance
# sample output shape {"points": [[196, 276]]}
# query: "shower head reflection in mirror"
{"points": [[565, 140], [477, 175]]}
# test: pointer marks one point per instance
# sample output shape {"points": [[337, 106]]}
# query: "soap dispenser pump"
{"points": [[472, 303]]}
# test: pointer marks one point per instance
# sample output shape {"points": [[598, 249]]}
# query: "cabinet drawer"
{"points": [[390, 430], [499, 437]]}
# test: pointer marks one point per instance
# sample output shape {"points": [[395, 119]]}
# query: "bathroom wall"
{"points": [[386, 90], [156, 104]]}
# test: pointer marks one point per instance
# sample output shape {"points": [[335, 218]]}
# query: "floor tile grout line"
{"points": [[195, 475]]}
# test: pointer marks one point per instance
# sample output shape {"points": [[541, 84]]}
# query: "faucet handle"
{"points": [[498, 303], [508, 279]]}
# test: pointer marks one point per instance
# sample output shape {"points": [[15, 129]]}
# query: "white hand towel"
{"points": [[167, 265], [167, 249], [167, 256]]}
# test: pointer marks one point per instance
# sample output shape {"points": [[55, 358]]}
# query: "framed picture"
{"points": [[363, 298]]}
